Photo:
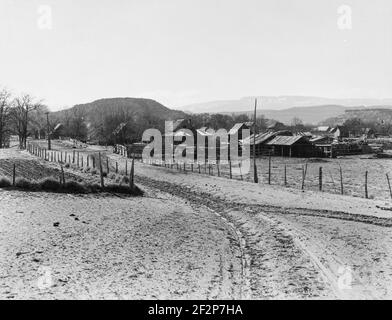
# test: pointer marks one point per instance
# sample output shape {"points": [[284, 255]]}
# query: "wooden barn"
{"points": [[291, 146], [261, 141]]}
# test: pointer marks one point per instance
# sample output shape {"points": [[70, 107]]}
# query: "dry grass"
{"points": [[51, 184]]}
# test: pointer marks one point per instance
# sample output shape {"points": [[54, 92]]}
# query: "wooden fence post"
{"points": [[304, 171], [126, 167], [14, 175], [107, 165], [389, 185], [217, 166], [131, 180], [63, 175], [321, 178], [341, 180], [88, 160], [116, 167], [230, 172], [269, 169], [285, 175], [366, 187], [100, 170]]}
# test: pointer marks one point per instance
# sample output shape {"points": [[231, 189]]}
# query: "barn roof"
{"points": [[285, 140], [58, 126], [203, 132], [265, 136], [238, 126], [177, 123], [323, 128]]}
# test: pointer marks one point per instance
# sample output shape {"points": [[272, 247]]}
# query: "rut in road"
{"points": [[274, 266]]}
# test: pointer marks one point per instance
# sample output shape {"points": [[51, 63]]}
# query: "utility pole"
{"points": [[256, 179], [48, 130]]}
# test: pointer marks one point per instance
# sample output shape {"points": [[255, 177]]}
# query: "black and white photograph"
{"points": [[216, 151]]}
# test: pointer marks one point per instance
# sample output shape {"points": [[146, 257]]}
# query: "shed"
{"points": [[261, 140], [292, 146]]}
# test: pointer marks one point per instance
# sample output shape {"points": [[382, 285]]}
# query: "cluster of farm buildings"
{"points": [[278, 141]]}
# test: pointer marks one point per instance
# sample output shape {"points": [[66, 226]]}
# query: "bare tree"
{"points": [[5, 106], [22, 107]]}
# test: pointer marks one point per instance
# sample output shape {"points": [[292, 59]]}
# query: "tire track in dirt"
{"points": [[273, 265]]}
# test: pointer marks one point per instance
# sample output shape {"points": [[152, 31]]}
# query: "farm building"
{"points": [[58, 131], [261, 139], [238, 127], [339, 132], [291, 146], [321, 139], [322, 130]]}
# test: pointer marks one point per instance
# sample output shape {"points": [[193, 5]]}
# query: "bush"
{"points": [[125, 180], [50, 184], [4, 182], [94, 188], [23, 183], [116, 188], [75, 187]]}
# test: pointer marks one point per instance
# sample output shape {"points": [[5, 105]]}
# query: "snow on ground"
{"points": [[111, 247], [194, 236]]}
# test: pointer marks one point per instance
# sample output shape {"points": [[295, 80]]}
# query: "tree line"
{"points": [[21, 115]]}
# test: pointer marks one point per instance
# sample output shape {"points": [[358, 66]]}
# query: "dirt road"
{"points": [[294, 252], [192, 236]]}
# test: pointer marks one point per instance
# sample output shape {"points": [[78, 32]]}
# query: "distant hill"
{"points": [[311, 110], [139, 107], [115, 120], [278, 103], [309, 115], [377, 114]]}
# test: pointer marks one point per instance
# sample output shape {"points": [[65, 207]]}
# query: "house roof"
{"points": [[319, 138], [284, 140], [238, 126], [203, 132], [177, 123], [57, 127], [323, 128]]}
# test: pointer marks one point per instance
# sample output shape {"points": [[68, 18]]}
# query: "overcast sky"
{"points": [[184, 51]]}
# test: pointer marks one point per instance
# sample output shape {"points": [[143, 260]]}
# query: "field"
{"points": [[191, 235], [353, 169]]}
